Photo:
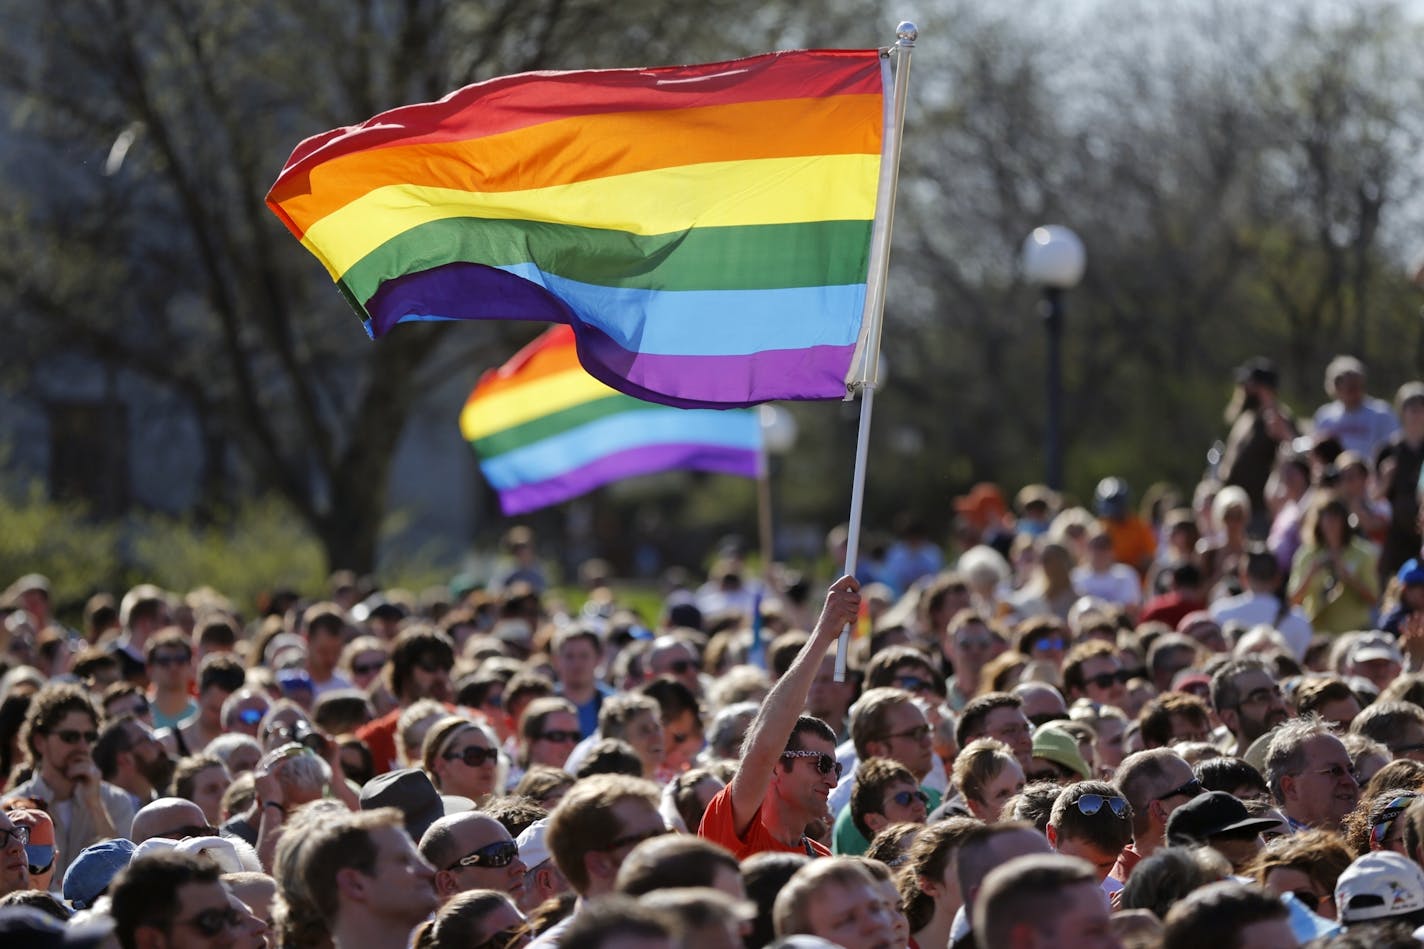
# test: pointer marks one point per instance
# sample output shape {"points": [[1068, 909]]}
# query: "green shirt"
{"points": [[847, 840]]}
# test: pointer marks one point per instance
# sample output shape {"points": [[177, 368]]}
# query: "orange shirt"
{"points": [[720, 827], [1132, 540]]}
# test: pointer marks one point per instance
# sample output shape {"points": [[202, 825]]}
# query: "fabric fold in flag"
{"points": [[703, 230], [546, 431]]}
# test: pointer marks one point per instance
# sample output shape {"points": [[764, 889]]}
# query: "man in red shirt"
{"points": [[419, 669], [788, 766]]}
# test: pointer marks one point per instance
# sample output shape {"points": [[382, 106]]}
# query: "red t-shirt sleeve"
{"points": [[718, 825]]}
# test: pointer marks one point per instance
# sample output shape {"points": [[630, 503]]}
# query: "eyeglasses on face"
{"points": [[914, 684], [250, 716], [501, 853], [367, 668], [633, 840], [169, 659], [40, 857], [18, 833], [211, 922], [1191, 789], [561, 738], [918, 733], [1262, 696], [1105, 680], [1090, 804], [824, 763], [1048, 642], [906, 798], [1335, 772], [432, 668], [474, 756], [72, 736]]}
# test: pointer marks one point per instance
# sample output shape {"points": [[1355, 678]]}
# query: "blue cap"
{"points": [[1412, 572], [294, 679], [94, 869]]}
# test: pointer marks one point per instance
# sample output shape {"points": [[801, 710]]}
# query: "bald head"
{"points": [[453, 836], [171, 817], [1041, 701], [988, 847]]}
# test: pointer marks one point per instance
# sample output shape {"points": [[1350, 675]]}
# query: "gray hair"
{"points": [[1286, 755], [224, 745], [305, 773], [729, 727]]}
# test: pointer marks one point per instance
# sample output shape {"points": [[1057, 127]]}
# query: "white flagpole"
{"points": [[905, 35]]}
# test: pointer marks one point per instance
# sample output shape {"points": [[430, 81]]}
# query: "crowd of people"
{"points": [[1198, 721]]}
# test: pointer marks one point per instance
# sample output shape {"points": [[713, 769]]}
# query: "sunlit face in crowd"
{"points": [[645, 734], [853, 916], [1012, 727], [683, 738], [468, 764], [557, 736], [997, 791], [800, 783]]}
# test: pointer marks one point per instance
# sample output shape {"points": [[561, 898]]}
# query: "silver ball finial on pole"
{"points": [[906, 33]]}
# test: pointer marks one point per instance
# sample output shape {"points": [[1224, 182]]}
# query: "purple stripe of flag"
{"points": [[473, 292], [627, 464]]}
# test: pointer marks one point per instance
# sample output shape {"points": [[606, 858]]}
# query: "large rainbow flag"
{"points": [[547, 431], [704, 230]]}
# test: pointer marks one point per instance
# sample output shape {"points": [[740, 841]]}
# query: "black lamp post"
{"points": [[1053, 258]]}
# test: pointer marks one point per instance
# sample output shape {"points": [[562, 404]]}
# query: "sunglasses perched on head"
{"points": [[474, 756], [498, 854], [824, 763], [1090, 804]]}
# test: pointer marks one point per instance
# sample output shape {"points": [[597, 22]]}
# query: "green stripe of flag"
{"points": [[749, 257]]}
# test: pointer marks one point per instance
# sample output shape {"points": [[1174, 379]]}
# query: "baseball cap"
{"points": [[1056, 745], [1372, 647], [1213, 814], [409, 791], [1411, 573], [1379, 885], [532, 848], [94, 869]]}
